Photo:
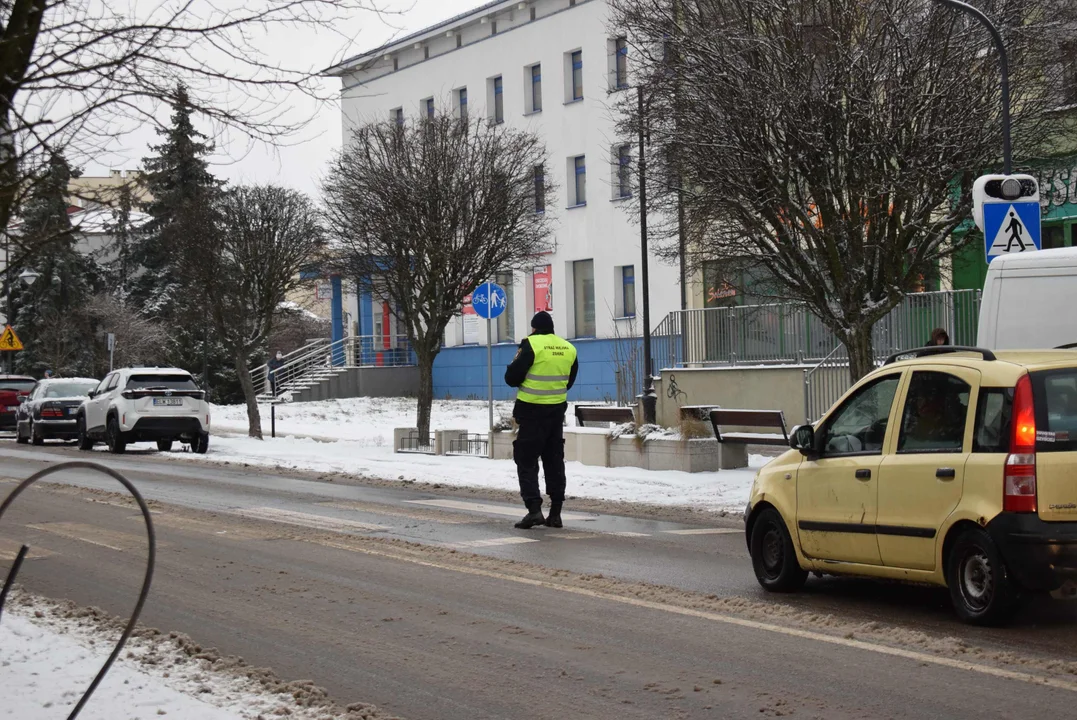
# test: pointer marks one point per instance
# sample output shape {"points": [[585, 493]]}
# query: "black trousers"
{"points": [[541, 436]]}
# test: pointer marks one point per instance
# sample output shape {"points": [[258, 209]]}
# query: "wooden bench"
{"points": [[603, 414], [735, 444]]}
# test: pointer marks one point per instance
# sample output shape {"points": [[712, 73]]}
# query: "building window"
{"points": [[499, 101], [583, 296], [536, 88], [397, 116], [627, 304], [461, 103], [506, 322], [493, 27], [429, 104], [577, 75], [540, 189], [1054, 236], [532, 13], [459, 40], [426, 52], [396, 64], [621, 63], [578, 181], [1069, 68], [623, 170]]}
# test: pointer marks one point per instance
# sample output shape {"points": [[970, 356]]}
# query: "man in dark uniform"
{"points": [[543, 370]]}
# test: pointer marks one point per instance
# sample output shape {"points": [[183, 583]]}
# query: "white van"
{"points": [[1029, 300]]}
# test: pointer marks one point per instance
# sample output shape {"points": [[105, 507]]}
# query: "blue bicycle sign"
{"points": [[489, 300]]}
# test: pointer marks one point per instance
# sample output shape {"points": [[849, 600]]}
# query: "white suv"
{"points": [[143, 405]]}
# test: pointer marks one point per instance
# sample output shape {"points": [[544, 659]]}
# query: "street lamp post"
{"points": [[650, 399], [1004, 69]]}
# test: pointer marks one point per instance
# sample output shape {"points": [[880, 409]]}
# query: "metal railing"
{"points": [[825, 383], [788, 333], [472, 444], [321, 358]]}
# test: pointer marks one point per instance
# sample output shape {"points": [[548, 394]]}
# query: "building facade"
{"points": [[92, 191], [556, 68]]}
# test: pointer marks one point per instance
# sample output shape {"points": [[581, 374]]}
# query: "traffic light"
{"points": [[999, 189]]}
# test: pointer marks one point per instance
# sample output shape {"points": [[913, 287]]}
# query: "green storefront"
{"points": [[1058, 199]]}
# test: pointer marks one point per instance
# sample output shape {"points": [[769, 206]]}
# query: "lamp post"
{"points": [[650, 400], [1004, 70]]}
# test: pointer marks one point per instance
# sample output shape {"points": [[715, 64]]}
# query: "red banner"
{"points": [[543, 284]]}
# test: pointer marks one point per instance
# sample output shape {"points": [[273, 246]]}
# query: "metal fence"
{"points": [[789, 333]]}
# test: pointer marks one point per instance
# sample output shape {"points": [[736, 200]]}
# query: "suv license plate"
{"points": [[72, 411], [158, 402]]}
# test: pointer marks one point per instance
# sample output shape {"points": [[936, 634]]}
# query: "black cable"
{"points": [[151, 536]]}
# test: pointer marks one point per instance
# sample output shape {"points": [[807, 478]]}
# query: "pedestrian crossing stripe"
{"points": [[9, 340]]}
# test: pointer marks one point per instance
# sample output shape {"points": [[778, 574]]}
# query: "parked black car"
{"points": [[51, 411]]}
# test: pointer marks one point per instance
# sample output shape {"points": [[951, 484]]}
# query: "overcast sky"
{"points": [[303, 161]]}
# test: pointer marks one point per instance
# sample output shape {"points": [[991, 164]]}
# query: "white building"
{"points": [[553, 67]]}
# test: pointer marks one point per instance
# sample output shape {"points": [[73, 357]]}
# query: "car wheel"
{"points": [[35, 435], [18, 435], [980, 585], [164, 445], [85, 442], [773, 556], [201, 443], [113, 436]]}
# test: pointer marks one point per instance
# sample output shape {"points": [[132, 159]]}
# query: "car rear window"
{"points": [[19, 385], [67, 390], [161, 382], [1054, 394]]}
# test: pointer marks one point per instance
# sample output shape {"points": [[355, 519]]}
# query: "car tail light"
{"points": [[1019, 476], [52, 412]]}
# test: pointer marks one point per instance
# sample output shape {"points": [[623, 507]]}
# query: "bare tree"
{"points": [[830, 145], [76, 74], [427, 211], [264, 235], [139, 340]]}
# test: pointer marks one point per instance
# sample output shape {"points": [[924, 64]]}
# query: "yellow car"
{"points": [[950, 466]]}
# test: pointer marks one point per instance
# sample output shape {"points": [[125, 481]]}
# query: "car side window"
{"points": [[859, 426], [103, 385], [112, 380], [993, 421], [936, 412]]}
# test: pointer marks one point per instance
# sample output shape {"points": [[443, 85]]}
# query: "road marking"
{"points": [[417, 514], [10, 548], [629, 534], [492, 542], [913, 655], [94, 535], [572, 536], [317, 522], [490, 509], [705, 531], [206, 527]]}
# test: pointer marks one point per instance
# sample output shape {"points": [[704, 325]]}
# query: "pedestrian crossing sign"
{"points": [[9, 340], [1011, 228]]}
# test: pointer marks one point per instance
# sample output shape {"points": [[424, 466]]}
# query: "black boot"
{"points": [[554, 518], [533, 517]]}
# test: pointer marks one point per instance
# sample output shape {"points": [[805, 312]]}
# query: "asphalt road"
{"points": [[433, 606]]}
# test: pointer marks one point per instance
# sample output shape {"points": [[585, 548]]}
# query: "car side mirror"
{"points": [[92, 394], [803, 439]]}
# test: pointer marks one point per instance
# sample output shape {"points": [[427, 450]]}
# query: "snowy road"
{"points": [[613, 617]]}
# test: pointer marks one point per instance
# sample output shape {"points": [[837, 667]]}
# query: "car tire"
{"points": [[113, 437], [981, 589], [200, 444], [773, 557], [18, 435], [85, 442], [164, 445], [36, 438]]}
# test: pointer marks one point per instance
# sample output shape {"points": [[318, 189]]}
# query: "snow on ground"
{"points": [[49, 654], [364, 427], [369, 421]]}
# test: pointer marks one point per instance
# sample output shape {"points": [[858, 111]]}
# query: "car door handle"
{"points": [[946, 473], [863, 474]]}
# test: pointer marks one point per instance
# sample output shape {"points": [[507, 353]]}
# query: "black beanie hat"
{"points": [[542, 322]]}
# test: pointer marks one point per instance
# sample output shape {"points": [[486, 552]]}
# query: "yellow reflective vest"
{"points": [[547, 380]]}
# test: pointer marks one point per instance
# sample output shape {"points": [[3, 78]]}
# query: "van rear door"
{"points": [[1055, 399]]}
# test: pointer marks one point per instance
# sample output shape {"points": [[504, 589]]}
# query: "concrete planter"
{"points": [[696, 455], [502, 440]]}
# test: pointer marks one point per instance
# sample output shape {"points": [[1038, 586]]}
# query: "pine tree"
{"points": [[183, 220], [51, 314]]}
